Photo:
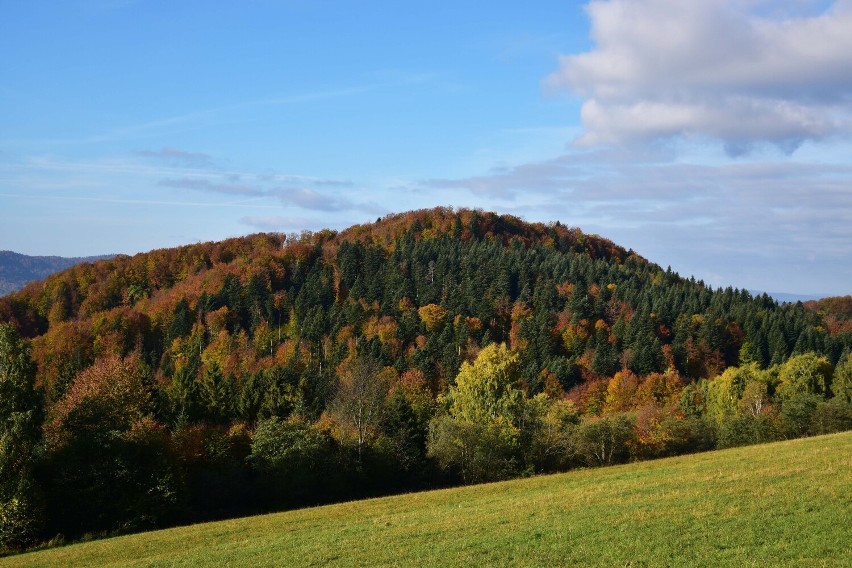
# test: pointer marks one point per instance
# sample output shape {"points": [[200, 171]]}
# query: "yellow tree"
{"points": [[433, 316], [480, 437], [487, 388]]}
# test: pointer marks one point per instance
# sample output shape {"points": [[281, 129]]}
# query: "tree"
{"points": [[604, 440], [480, 436], [406, 434], [487, 389], [621, 391], [433, 316], [755, 398], [841, 384], [805, 374], [289, 456], [360, 397], [110, 463], [20, 421]]}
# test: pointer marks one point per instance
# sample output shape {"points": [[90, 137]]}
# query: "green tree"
{"points": [[805, 374], [290, 457], [604, 440], [487, 389], [841, 385], [480, 437], [20, 421]]}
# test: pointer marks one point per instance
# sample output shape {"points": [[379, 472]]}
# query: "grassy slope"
{"points": [[780, 504]]}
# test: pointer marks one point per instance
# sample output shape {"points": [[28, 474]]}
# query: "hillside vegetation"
{"points": [[16, 270], [781, 504], [426, 349]]}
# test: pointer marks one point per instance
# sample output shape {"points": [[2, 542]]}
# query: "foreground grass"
{"points": [[782, 504]]}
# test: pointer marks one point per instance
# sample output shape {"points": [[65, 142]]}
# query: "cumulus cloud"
{"points": [[744, 72]]}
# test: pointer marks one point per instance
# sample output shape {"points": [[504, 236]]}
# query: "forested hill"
{"points": [[17, 269], [421, 290], [429, 347]]}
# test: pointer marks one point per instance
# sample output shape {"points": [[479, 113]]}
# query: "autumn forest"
{"points": [[427, 349]]}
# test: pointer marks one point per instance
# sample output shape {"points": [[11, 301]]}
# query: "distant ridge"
{"points": [[785, 298], [16, 270]]}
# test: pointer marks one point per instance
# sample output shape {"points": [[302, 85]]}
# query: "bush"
{"points": [[213, 460], [661, 432], [744, 430], [550, 435], [606, 440], [474, 451], [797, 414], [21, 519], [290, 457], [834, 415], [119, 483]]}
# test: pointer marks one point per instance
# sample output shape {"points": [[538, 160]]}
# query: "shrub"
{"points": [[834, 415], [605, 440]]}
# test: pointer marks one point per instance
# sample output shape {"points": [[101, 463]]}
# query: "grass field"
{"points": [[782, 504]]}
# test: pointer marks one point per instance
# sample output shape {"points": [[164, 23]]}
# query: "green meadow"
{"points": [[780, 504]]}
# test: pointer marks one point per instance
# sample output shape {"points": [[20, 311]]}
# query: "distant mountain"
{"points": [[16, 270], [785, 298]]}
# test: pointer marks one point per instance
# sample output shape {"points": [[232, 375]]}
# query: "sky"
{"points": [[712, 136]]}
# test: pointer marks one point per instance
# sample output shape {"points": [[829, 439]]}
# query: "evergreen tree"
{"points": [[20, 432]]}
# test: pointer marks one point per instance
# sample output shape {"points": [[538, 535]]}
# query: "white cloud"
{"points": [[744, 72]]}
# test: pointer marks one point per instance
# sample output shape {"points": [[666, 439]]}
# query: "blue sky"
{"points": [[714, 136]]}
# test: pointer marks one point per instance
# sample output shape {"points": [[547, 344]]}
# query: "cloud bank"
{"points": [[745, 72]]}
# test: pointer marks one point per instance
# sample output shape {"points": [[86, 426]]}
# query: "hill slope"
{"points": [[782, 504], [271, 372], [16, 270]]}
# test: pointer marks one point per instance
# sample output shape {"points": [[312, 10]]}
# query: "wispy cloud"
{"points": [[121, 201], [200, 118], [307, 198], [204, 185], [769, 213], [177, 156]]}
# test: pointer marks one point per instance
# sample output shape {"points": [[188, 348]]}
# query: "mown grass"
{"points": [[782, 504]]}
